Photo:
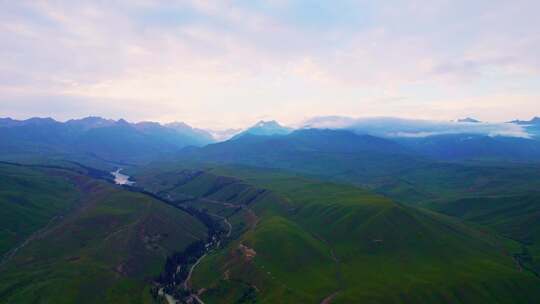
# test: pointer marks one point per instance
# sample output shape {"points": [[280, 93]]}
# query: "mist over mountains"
{"points": [[399, 127], [120, 140]]}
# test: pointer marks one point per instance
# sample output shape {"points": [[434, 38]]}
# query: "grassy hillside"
{"points": [[439, 181], [29, 199], [106, 249], [304, 241], [498, 188], [334, 154], [381, 165], [514, 216]]}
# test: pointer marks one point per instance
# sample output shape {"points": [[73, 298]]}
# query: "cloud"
{"points": [[399, 127], [232, 61]]}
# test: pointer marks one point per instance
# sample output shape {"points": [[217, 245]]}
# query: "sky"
{"points": [[228, 64]]}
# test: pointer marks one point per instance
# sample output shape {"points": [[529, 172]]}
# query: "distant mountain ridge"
{"points": [[343, 155], [91, 122], [120, 140], [186, 129], [100, 137], [321, 152]]}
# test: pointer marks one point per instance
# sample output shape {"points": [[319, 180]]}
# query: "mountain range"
{"points": [[340, 210], [125, 142], [103, 138]]}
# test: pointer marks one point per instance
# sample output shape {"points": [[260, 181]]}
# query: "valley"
{"points": [[248, 271], [107, 248], [269, 152], [322, 217]]}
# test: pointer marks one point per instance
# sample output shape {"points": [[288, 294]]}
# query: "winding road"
{"points": [[188, 278]]}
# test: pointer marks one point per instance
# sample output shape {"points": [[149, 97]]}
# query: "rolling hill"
{"points": [[386, 166], [337, 154], [298, 240], [224, 224], [75, 239], [504, 190], [514, 216]]}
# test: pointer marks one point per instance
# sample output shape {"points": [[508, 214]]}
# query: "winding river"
{"points": [[121, 179]]}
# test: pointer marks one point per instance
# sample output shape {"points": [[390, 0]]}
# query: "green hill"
{"points": [[514, 216], [87, 241], [382, 165], [287, 239], [29, 200], [297, 240]]}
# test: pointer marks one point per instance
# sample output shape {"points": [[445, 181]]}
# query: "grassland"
{"points": [[503, 190], [107, 247], [29, 199], [514, 216], [303, 240]]}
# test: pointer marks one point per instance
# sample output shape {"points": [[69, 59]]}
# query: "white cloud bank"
{"points": [[399, 127]]}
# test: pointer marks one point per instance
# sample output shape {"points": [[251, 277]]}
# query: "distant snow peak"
{"points": [[265, 128], [270, 127]]}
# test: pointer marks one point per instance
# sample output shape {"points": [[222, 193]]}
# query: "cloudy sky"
{"points": [[230, 63]]}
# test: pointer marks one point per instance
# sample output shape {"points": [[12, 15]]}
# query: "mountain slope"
{"points": [[29, 200], [385, 166], [353, 246], [106, 248], [330, 153], [199, 136], [514, 216]]}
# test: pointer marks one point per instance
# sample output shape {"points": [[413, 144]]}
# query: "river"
{"points": [[121, 179]]}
